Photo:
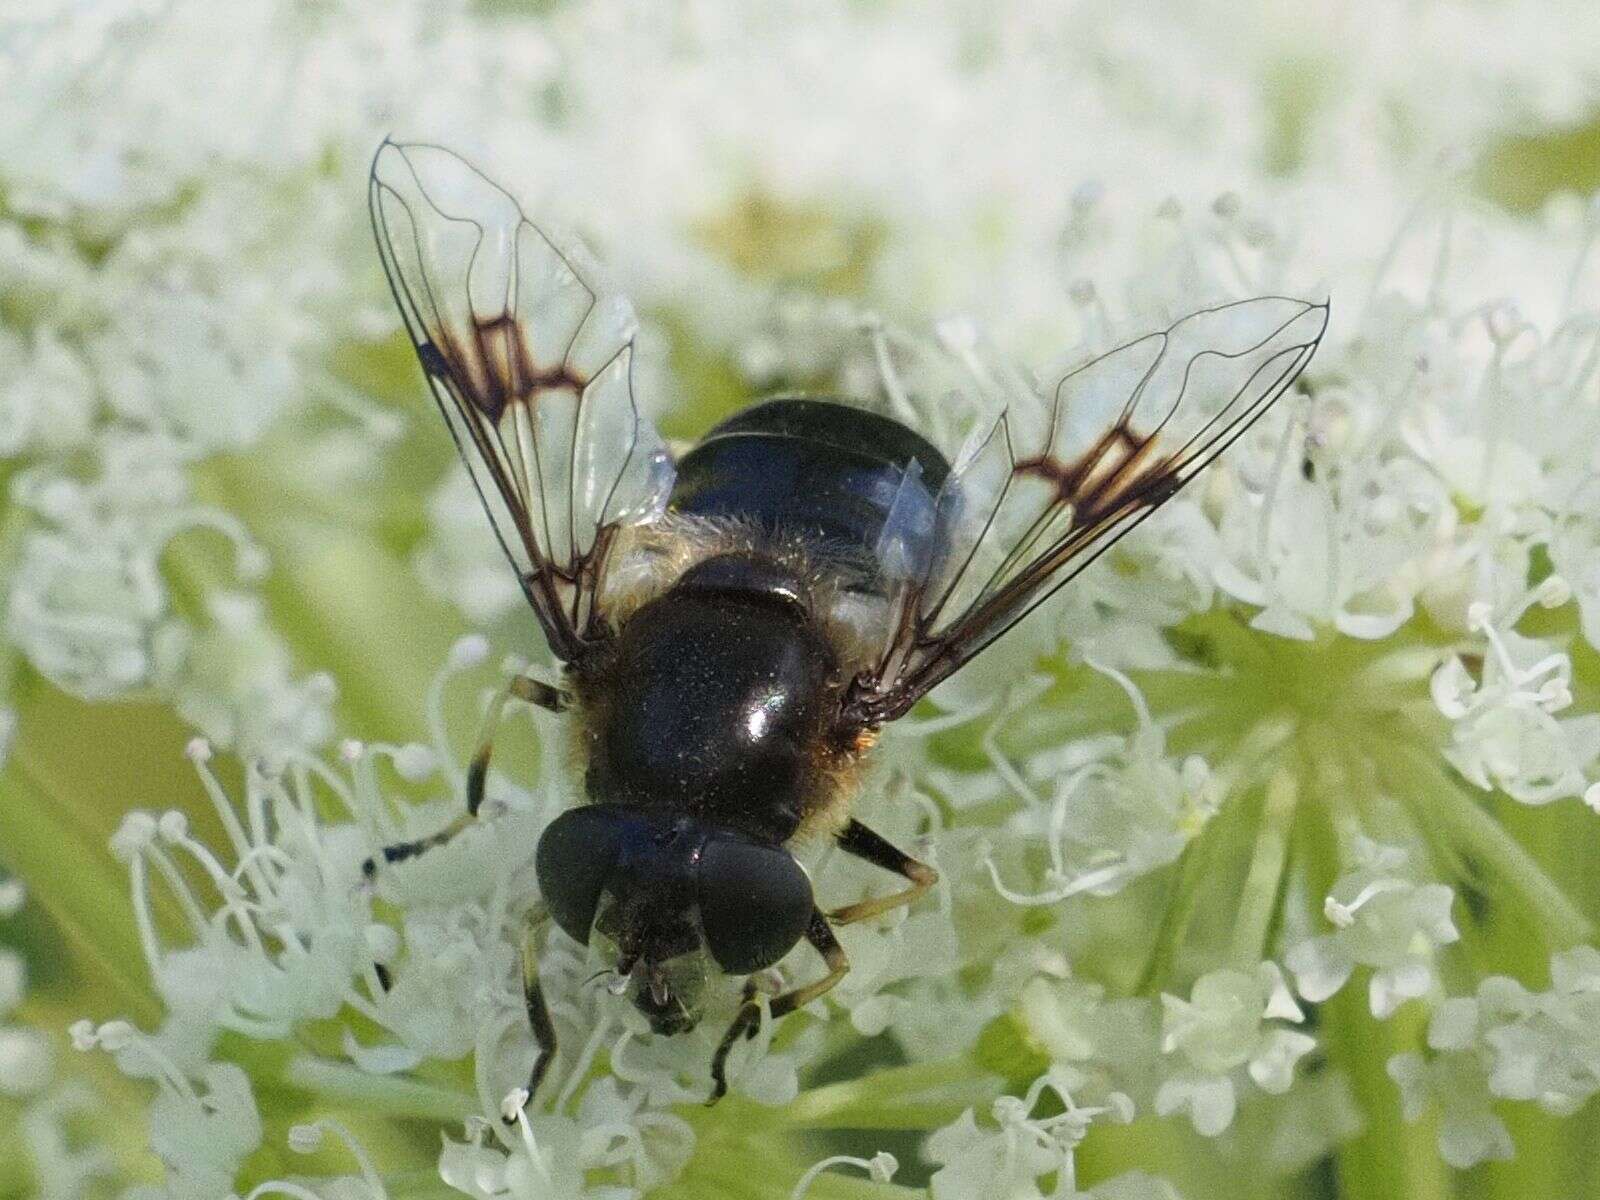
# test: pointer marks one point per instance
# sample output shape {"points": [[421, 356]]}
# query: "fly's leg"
{"points": [[820, 935], [862, 842], [401, 851], [859, 840], [523, 687], [530, 691], [544, 1031]]}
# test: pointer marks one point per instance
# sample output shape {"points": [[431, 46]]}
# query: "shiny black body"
{"points": [[716, 690], [826, 472], [711, 711]]}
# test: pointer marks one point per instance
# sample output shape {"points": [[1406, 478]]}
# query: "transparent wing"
{"points": [[1048, 488], [532, 366]]}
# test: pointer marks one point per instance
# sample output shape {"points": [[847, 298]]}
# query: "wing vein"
{"points": [[1123, 433], [502, 319]]}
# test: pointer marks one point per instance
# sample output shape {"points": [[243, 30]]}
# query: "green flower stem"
{"points": [[46, 827], [1198, 865], [383, 1112], [1562, 837], [1264, 885], [390, 1094], [1391, 1158], [728, 1174], [418, 1185], [921, 1096], [1193, 872], [727, 1151], [1547, 1147], [80, 945], [1439, 804], [1171, 1149], [1555, 1155], [1545, 1155]]}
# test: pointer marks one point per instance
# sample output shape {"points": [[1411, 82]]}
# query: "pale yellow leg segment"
{"points": [[527, 689], [862, 842], [544, 1031], [749, 1019]]}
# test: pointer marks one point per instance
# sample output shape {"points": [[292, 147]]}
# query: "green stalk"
{"points": [[396, 1096], [1545, 1164], [920, 1096], [1391, 1159], [1546, 1156], [1197, 867], [1438, 803], [47, 829], [1263, 886], [729, 1175]]}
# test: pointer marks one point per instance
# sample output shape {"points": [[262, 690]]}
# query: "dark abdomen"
{"points": [[857, 483]]}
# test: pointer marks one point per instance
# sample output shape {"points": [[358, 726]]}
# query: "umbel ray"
{"points": [[735, 628]]}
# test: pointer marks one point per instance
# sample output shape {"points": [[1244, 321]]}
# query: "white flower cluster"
{"points": [[1382, 920], [1505, 732], [1121, 808], [89, 605], [1385, 598], [1221, 1028], [285, 930], [1008, 1161], [177, 277], [1506, 1043], [1176, 1056]]}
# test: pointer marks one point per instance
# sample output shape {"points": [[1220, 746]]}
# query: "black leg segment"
{"points": [[527, 689], [544, 1031], [862, 842], [523, 687], [820, 935]]}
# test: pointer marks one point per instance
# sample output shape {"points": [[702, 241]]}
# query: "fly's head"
{"points": [[671, 902]]}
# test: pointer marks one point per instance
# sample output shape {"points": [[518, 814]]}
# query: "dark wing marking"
{"points": [[1049, 488], [532, 366]]}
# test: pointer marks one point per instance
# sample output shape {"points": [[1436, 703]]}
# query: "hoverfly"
{"points": [[735, 628]]}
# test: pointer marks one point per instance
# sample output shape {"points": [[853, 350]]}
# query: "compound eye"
{"points": [[576, 855], [755, 902]]}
